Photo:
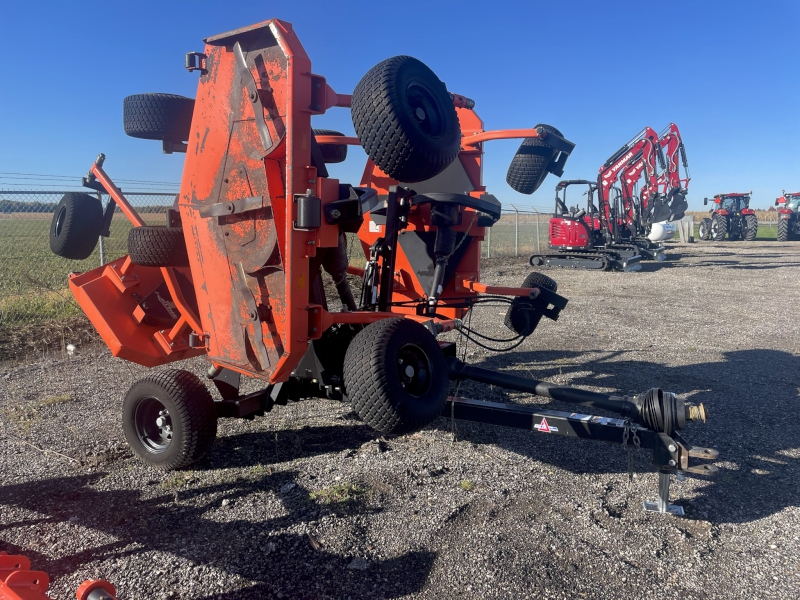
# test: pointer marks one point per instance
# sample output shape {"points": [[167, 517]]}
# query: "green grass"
{"points": [[33, 280]]}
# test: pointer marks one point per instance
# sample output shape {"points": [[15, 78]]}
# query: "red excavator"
{"points": [[627, 164], [582, 239], [788, 216], [662, 199]]}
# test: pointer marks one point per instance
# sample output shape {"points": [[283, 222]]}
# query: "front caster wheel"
{"points": [[396, 376], [169, 419]]}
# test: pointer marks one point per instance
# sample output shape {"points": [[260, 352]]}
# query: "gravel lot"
{"points": [[306, 502]]}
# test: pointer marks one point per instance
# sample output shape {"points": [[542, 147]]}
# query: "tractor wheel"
{"points": [[719, 228], [169, 419], [396, 376], [751, 227], [783, 231], [157, 246], [331, 153], [76, 225], [522, 317], [529, 166], [406, 120], [704, 231], [158, 116]]}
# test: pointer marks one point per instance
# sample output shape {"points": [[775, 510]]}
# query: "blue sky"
{"points": [[725, 72]]}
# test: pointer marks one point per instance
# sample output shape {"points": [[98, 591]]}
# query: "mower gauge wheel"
{"points": [[169, 419], [158, 116], [405, 119], [157, 246], [528, 168], [76, 225], [396, 376], [331, 153]]}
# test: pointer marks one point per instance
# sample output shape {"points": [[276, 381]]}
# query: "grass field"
{"points": [[33, 281]]}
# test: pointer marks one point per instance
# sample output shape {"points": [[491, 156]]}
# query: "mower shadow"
{"points": [[268, 554], [750, 423]]}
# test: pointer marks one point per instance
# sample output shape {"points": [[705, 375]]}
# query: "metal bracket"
{"points": [[221, 209], [254, 94], [253, 328], [196, 61]]}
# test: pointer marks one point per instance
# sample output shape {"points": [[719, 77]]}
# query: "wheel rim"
{"points": [[414, 370], [153, 425], [62, 216], [425, 109]]}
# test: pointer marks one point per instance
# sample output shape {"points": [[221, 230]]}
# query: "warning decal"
{"points": [[544, 427]]}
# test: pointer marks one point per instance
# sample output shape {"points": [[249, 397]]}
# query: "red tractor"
{"points": [[788, 216], [731, 217]]}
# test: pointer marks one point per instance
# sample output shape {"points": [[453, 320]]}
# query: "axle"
{"points": [[655, 409]]}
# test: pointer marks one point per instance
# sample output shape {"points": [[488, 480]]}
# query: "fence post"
{"points": [[538, 218], [516, 231]]}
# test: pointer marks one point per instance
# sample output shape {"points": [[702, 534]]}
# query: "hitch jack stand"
{"points": [[662, 505]]}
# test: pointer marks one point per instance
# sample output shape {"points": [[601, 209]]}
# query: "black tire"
{"points": [[396, 376], [189, 415], [751, 227], [405, 119], [704, 230], [783, 231], [331, 153], [76, 225], [523, 317], [157, 246], [158, 116], [719, 228], [529, 166]]}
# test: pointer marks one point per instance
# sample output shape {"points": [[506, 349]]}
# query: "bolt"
{"points": [[672, 448], [672, 463], [253, 96], [409, 371], [230, 207], [313, 330]]}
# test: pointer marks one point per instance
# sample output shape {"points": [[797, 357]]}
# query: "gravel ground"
{"points": [[306, 502]]}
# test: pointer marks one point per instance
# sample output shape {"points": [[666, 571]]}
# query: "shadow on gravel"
{"points": [[269, 553], [752, 399]]}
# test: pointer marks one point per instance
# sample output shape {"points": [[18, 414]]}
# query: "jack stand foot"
{"points": [[662, 505]]}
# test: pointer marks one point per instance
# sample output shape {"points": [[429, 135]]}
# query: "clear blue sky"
{"points": [[726, 72]]}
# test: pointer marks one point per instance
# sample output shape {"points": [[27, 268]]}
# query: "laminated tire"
{"points": [[76, 225], [529, 166], [783, 231], [157, 246], [158, 116], [523, 317], [169, 419], [751, 227], [331, 153], [405, 119], [395, 375]]}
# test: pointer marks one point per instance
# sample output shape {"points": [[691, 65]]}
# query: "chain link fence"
{"points": [[33, 280]]}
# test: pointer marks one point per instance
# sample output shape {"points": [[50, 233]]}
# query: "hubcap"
{"points": [[414, 370], [426, 110], [153, 425]]}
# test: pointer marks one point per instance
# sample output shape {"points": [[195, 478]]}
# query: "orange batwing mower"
{"points": [[236, 273]]}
